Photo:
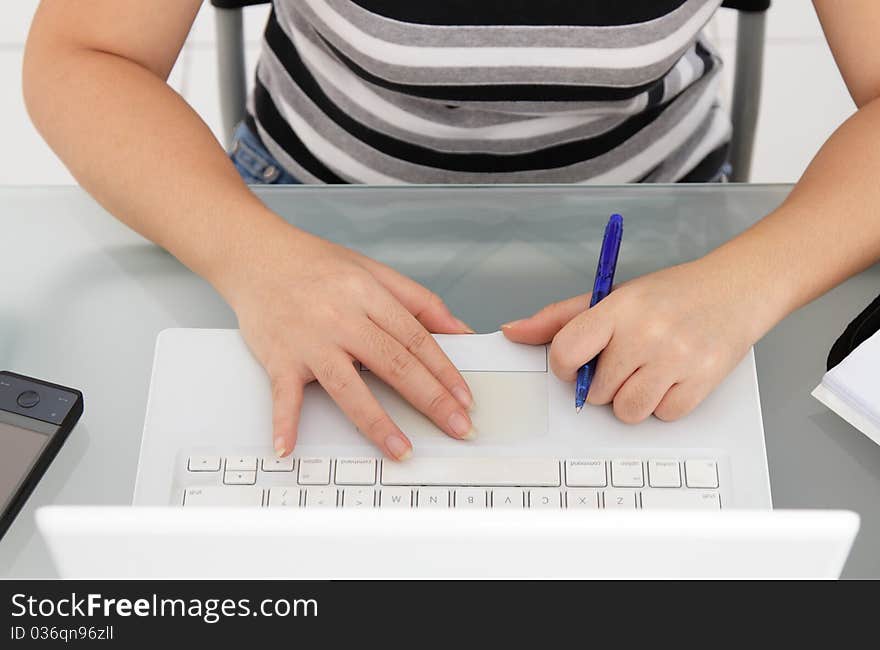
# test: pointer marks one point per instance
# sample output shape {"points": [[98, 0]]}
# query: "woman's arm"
{"points": [[94, 84], [828, 228], [668, 338]]}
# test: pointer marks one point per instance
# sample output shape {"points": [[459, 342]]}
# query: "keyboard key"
{"points": [[321, 497], [544, 499], [507, 498], [586, 472], [620, 500], [394, 497], [470, 498], [216, 495], [272, 464], [241, 464], [680, 500], [664, 474], [536, 472], [203, 464], [358, 497], [239, 478], [627, 473], [701, 473], [314, 471], [582, 499], [433, 498], [284, 497], [356, 471]]}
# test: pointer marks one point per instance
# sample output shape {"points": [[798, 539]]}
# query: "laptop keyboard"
{"points": [[461, 483]]}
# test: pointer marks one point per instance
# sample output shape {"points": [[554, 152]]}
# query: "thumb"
{"points": [[543, 326], [581, 339]]}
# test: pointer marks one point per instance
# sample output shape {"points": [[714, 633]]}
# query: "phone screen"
{"points": [[22, 440]]}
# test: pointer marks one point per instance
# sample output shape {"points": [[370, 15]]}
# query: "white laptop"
{"points": [[655, 499], [207, 440], [321, 543]]}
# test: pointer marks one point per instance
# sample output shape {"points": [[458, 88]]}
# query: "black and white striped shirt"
{"points": [[490, 91]]}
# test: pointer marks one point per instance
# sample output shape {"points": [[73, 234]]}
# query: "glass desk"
{"points": [[83, 299]]}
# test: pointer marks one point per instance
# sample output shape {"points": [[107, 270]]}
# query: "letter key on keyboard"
{"points": [[474, 498], [579, 499], [393, 497], [433, 498], [620, 500], [544, 499], [507, 498]]}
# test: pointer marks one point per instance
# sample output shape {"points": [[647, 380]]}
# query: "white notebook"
{"points": [[852, 389]]}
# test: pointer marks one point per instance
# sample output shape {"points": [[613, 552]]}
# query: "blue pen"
{"points": [[601, 288]]}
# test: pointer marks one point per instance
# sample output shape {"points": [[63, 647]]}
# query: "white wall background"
{"points": [[793, 121]]}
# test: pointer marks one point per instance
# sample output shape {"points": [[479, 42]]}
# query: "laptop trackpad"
{"points": [[510, 406]]}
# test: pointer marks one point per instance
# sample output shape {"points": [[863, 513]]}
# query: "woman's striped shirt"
{"points": [[490, 91]]}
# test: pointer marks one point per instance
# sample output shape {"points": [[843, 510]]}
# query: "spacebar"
{"points": [[471, 471]]}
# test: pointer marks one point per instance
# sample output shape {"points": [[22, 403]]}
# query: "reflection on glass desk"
{"points": [[83, 299]]}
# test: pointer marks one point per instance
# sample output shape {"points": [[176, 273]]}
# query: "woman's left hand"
{"points": [[667, 338]]}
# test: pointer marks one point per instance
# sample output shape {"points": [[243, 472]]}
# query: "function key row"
{"points": [[594, 473]]}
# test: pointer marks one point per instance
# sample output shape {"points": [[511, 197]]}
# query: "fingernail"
{"points": [[461, 426], [464, 326], [279, 447], [512, 323], [463, 396], [398, 447]]}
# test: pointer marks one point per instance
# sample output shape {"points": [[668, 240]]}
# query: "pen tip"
{"points": [[577, 409]]}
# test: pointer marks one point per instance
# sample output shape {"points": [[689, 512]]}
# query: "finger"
{"points": [[581, 339], [640, 394], [392, 362], [422, 303], [403, 326], [681, 399], [343, 383], [542, 326], [287, 397], [616, 364]]}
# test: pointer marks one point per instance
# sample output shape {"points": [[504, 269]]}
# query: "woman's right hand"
{"points": [[308, 309]]}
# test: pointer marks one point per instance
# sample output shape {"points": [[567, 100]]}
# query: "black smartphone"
{"points": [[35, 419]]}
